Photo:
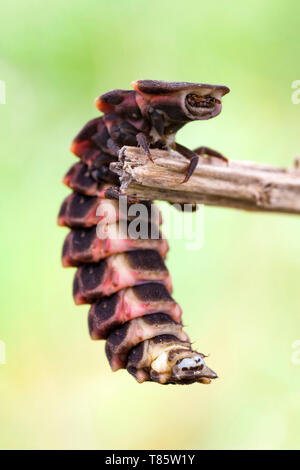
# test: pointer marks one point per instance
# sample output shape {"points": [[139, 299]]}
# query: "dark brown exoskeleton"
{"points": [[123, 278]]}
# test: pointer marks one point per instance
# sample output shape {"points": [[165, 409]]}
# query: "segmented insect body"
{"points": [[123, 278]]}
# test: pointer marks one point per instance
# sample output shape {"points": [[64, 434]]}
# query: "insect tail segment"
{"points": [[168, 359]]}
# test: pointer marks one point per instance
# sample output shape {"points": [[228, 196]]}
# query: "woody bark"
{"points": [[237, 184]]}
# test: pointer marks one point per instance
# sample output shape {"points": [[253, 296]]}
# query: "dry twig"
{"points": [[240, 185]]}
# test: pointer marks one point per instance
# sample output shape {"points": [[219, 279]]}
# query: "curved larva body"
{"points": [[126, 279]]}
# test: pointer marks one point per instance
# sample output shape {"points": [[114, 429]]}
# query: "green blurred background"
{"points": [[239, 293]]}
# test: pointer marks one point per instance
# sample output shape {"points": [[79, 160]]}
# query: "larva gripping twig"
{"points": [[123, 278]]}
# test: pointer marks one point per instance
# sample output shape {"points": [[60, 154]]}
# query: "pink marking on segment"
{"points": [[118, 275], [99, 249], [129, 307]]}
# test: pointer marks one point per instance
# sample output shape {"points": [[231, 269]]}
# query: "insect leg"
{"points": [[212, 153], [114, 192], [191, 156], [157, 120], [113, 146], [143, 143], [187, 207]]}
